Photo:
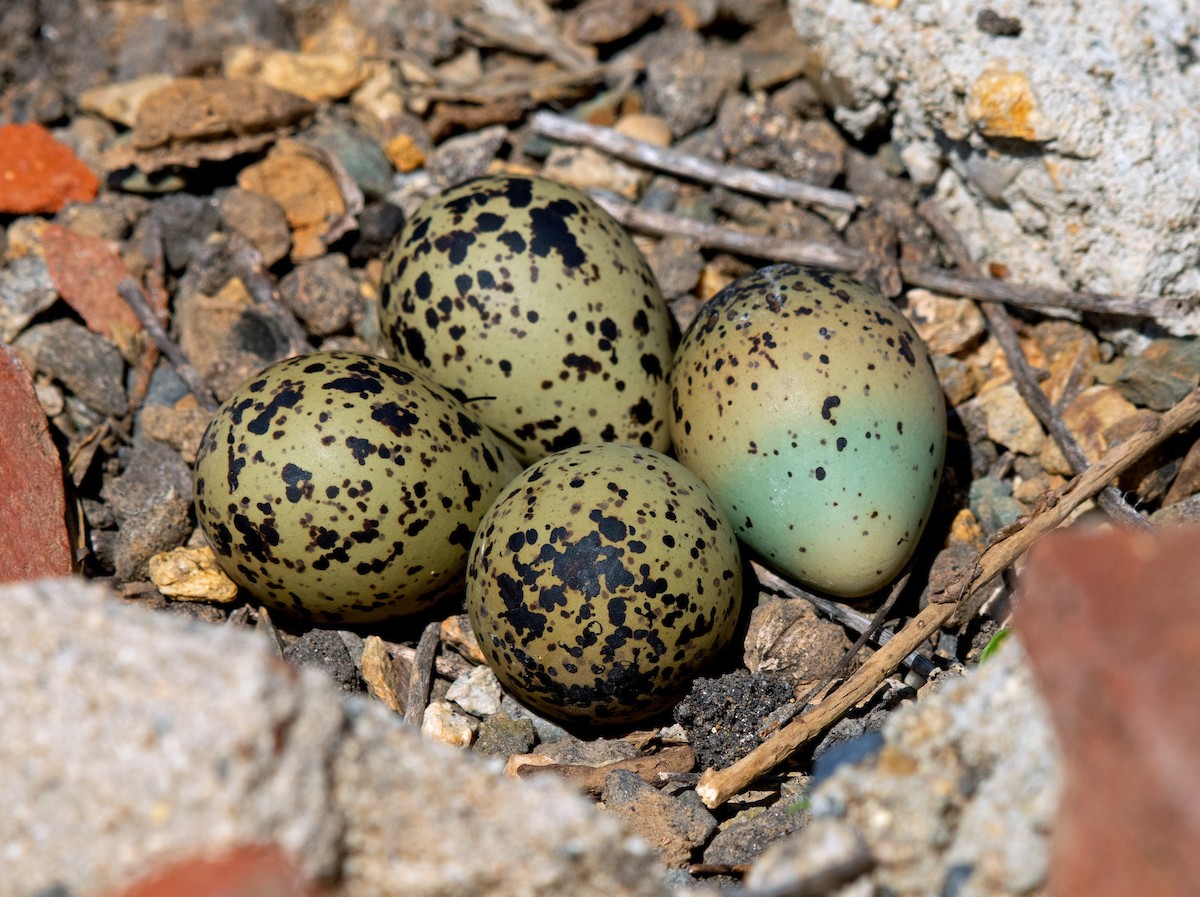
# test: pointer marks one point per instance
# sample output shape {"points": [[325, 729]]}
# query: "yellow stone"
{"points": [[404, 154], [191, 574], [314, 76], [1002, 104]]}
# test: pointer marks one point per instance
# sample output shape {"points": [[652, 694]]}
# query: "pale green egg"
{"points": [[810, 406]]}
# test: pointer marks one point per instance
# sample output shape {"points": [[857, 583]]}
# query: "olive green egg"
{"points": [[524, 296], [342, 488], [810, 406], [602, 581]]}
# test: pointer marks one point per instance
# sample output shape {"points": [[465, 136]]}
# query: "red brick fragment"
{"points": [[38, 174], [33, 505], [1111, 620], [86, 271], [245, 871]]}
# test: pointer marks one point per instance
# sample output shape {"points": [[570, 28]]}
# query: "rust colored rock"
{"points": [[248, 871], [86, 271], [38, 174], [32, 503], [205, 109], [1111, 621]]}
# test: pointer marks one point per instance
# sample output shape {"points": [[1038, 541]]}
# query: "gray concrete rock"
{"points": [[1065, 150], [131, 737], [959, 799]]}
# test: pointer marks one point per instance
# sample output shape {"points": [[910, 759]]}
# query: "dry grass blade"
{"points": [[717, 786]]}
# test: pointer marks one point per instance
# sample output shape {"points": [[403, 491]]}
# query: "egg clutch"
{"points": [[519, 443]]}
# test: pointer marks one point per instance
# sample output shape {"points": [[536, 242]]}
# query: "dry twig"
{"points": [[420, 679], [136, 300], [1001, 326], [771, 248], [748, 180], [717, 786]]}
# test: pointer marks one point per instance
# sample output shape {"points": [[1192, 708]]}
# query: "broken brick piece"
{"points": [[1111, 620], [38, 174]]}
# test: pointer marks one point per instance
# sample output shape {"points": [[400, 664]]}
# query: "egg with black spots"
{"points": [[524, 296], [601, 582], [811, 408], [343, 488]]}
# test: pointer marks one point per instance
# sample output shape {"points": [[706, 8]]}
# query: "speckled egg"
{"points": [[345, 488], [601, 581], [528, 298], [810, 406]]}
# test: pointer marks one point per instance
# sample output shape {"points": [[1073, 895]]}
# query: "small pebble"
{"points": [[323, 293], [325, 650], [39, 174], [87, 364], [191, 574], [443, 723], [673, 826], [477, 692], [501, 736], [259, 218], [651, 129]]}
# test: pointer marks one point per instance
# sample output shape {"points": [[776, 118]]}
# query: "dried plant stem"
{"points": [[717, 786], [420, 679], [1001, 326], [136, 300], [841, 258], [841, 613], [731, 239], [748, 180]]}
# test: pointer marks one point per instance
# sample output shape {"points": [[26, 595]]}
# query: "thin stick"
{"points": [[748, 180], [420, 678], [274, 639], [129, 290], [483, 94], [839, 258], [1109, 498], [732, 240], [841, 613], [829, 678], [824, 880], [717, 786], [868, 633]]}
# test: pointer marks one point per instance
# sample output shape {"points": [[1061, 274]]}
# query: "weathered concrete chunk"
{"points": [[131, 739]]}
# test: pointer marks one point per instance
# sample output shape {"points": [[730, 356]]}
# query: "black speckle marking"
{"points": [[827, 407], [514, 241], [552, 234], [455, 244], [489, 222], [652, 366], [399, 420], [298, 482]]}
